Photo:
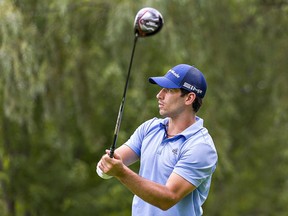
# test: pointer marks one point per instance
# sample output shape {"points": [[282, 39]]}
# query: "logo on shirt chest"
{"points": [[175, 151]]}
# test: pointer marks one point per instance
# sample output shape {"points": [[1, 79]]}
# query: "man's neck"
{"points": [[177, 125]]}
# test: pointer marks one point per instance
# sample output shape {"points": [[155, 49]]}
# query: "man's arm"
{"points": [[162, 196], [127, 154]]}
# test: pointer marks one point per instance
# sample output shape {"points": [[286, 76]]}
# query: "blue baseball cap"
{"points": [[183, 76]]}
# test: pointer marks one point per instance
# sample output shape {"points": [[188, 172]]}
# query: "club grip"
{"points": [[111, 154]]}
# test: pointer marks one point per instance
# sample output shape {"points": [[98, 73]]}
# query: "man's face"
{"points": [[170, 102]]}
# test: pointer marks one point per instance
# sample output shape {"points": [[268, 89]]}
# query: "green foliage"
{"points": [[63, 66]]}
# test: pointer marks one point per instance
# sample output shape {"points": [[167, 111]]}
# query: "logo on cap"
{"points": [[174, 73], [193, 88]]}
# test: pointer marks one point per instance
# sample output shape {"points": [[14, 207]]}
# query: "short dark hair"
{"points": [[197, 102]]}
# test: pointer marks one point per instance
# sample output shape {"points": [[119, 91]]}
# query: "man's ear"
{"points": [[190, 98]]}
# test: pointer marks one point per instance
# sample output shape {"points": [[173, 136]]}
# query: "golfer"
{"points": [[177, 155]]}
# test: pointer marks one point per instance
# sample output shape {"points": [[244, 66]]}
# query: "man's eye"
{"points": [[171, 90], [167, 90]]}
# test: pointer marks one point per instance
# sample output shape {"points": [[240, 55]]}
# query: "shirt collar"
{"points": [[188, 132]]}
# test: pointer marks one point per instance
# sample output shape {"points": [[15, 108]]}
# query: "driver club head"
{"points": [[148, 21]]}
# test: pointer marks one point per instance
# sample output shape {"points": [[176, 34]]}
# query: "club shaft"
{"points": [[121, 108]]}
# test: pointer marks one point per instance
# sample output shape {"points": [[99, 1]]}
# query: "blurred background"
{"points": [[63, 65]]}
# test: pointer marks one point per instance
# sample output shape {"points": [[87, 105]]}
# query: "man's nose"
{"points": [[160, 94]]}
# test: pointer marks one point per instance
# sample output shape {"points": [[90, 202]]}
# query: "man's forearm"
{"points": [[151, 192]]}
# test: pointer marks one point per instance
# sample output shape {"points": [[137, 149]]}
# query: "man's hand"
{"points": [[111, 166], [101, 174]]}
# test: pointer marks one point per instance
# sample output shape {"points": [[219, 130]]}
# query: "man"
{"points": [[177, 155]]}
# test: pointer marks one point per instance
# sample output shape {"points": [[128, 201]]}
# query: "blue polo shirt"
{"points": [[191, 154]]}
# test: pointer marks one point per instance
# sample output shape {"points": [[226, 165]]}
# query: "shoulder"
{"points": [[151, 124], [200, 149]]}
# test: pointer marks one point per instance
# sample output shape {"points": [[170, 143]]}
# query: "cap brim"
{"points": [[163, 82]]}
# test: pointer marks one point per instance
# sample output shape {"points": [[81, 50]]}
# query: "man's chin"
{"points": [[163, 114]]}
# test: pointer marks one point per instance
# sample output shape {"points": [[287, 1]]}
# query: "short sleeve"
{"points": [[136, 139], [197, 163]]}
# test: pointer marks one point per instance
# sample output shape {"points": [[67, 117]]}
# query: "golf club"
{"points": [[148, 21]]}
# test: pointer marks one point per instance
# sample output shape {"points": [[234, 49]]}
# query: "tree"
{"points": [[63, 66]]}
